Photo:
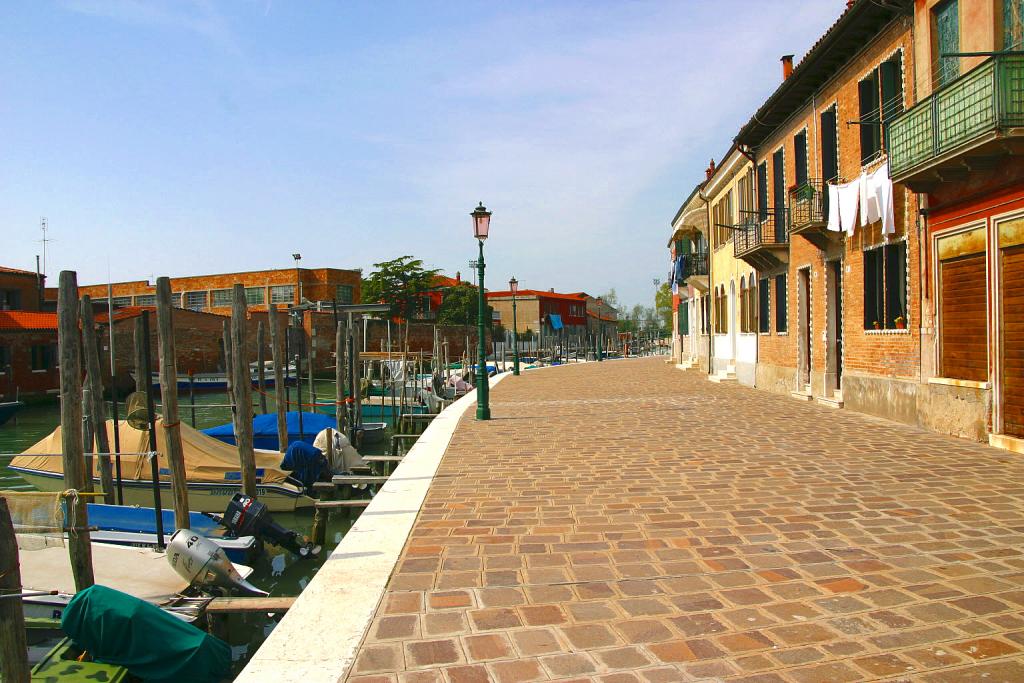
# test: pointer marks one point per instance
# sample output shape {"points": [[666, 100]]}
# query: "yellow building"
{"points": [[729, 192]]}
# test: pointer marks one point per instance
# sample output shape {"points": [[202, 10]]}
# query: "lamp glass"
{"points": [[513, 285], [481, 222]]}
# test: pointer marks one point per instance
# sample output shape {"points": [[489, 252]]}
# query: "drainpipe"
{"points": [[711, 336]]}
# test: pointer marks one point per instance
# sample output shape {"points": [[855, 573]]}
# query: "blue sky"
{"points": [[185, 137]]}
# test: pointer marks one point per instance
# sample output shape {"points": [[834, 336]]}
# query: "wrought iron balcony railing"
{"points": [[761, 229], [987, 99], [808, 206], [695, 264]]}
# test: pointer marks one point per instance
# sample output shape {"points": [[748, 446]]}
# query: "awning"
{"points": [[555, 320]]}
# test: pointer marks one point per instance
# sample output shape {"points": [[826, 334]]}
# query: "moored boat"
{"points": [[8, 409]]}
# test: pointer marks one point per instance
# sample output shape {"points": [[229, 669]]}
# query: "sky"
{"points": [[191, 136]]}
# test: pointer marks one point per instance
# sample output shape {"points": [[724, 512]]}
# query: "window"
{"points": [[684, 318], [881, 98], [1013, 24], [722, 312], [44, 356], [762, 189], [829, 145], [176, 299], [220, 298], [779, 193], [743, 305], [122, 301], [781, 312], [885, 286], [946, 27], [195, 301], [343, 294], [255, 295], [10, 299], [763, 315], [145, 300], [282, 294], [705, 314], [800, 158], [5, 358]]}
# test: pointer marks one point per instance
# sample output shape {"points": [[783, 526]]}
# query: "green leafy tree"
{"points": [[401, 283], [459, 306], [663, 306]]}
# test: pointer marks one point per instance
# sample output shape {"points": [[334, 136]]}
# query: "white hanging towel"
{"points": [[869, 207], [849, 198], [882, 184], [833, 209]]}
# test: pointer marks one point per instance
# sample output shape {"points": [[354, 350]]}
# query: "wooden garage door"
{"points": [[1013, 340], [964, 336]]}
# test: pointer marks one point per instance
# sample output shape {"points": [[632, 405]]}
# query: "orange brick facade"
{"points": [[212, 293]]}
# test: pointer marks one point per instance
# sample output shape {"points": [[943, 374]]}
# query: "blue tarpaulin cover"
{"points": [[264, 429], [556, 321], [117, 628], [304, 461]]}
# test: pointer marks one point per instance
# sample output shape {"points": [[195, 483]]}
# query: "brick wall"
{"points": [[19, 378], [27, 286], [887, 353]]}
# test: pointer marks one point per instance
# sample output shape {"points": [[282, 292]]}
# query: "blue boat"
{"points": [[8, 409], [264, 429], [136, 526]]}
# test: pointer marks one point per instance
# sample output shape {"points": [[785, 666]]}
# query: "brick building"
{"points": [[28, 337], [960, 149], [837, 310], [212, 293]]}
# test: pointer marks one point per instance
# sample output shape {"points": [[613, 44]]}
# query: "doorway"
{"points": [[1012, 354], [804, 329], [834, 285]]}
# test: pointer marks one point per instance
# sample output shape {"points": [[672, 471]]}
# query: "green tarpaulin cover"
{"points": [[118, 628]]}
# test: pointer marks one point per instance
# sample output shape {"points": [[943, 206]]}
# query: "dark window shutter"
{"points": [[781, 321], [764, 320], [800, 157], [829, 148], [891, 74], [872, 272], [762, 190], [868, 91], [895, 282]]}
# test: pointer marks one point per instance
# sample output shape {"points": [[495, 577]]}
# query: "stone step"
{"points": [[802, 395], [727, 375], [834, 402]]}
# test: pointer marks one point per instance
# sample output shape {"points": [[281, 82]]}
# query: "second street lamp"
{"points": [[600, 330], [513, 285], [481, 227]]}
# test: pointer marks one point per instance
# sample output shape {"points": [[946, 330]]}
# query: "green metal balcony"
{"points": [[966, 117]]}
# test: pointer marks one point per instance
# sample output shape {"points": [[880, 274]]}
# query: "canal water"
{"points": [[277, 571]]}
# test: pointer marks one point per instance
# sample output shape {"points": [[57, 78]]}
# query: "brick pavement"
{"points": [[626, 521]]}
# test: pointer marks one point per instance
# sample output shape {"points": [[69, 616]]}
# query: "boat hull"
{"points": [[202, 496], [7, 410]]}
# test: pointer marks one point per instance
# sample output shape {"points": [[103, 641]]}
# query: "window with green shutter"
{"points": [[1013, 24], [947, 40]]}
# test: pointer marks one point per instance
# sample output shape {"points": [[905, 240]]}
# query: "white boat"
{"points": [[141, 572]]}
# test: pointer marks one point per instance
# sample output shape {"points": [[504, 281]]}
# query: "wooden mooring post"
{"points": [[169, 400], [242, 385], [339, 376], [13, 645], [79, 542], [228, 365], [97, 413], [261, 360], [277, 355]]}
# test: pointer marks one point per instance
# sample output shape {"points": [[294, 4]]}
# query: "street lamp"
{"points": [[600, 330], [481, 227], [298, 280], [513, 285]]}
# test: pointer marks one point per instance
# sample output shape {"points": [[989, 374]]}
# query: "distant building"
{"points": [[554, 313], [28, 337], [212, 293]]}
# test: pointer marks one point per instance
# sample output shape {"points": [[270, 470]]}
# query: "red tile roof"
{"points": [[16, 271], [27, 320], [522, 293], [123, 313]]}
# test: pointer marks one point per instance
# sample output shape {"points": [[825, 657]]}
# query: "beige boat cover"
{"points": [[207, 460]]}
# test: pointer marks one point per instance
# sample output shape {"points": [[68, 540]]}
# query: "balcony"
{"points": [[808, 213], [762, 238], [695, 270], [967, 125]]}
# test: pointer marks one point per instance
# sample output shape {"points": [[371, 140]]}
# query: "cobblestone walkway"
{"points": [[626, 521]]}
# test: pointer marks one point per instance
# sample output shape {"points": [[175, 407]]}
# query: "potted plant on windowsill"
{"points": [[878, 325], [900, 323]]}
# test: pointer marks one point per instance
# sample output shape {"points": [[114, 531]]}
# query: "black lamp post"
{"points": [[600, 331], [513, 285], [481, 226]]}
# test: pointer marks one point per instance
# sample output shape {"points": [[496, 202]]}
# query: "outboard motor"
{"points": [[200, 561], [246, 516]]}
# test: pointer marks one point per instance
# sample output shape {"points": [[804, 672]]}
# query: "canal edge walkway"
{"points": [[319, 637]]}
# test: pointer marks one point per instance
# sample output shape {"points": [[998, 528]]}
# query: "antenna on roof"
{"points": [[43, 225]]}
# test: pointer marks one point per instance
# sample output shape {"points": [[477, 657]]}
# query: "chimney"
{"points": [[458, 277], [787, 66], [850, 3], [710, 171]]}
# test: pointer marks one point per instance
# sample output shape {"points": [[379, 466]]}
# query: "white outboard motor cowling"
{"points": [[202, 562]]}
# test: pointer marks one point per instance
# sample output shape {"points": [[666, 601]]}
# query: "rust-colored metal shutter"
{"points": [[963, 337], [1013, 340]]}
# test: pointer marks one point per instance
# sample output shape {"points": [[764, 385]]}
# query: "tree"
{"points": [[401, 283], [663, 306], [459, 306]]}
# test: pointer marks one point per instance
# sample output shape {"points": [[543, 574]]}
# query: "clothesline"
{"points": [[870, 196]]}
